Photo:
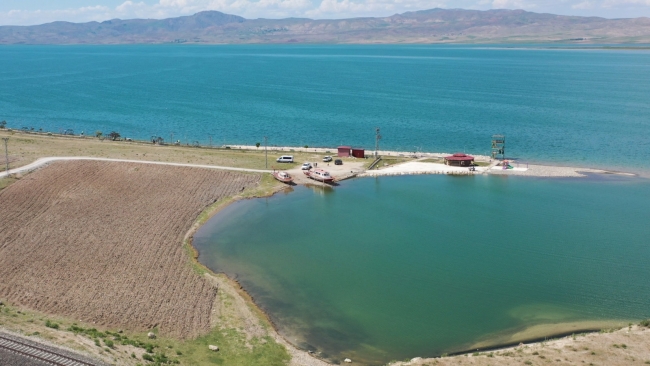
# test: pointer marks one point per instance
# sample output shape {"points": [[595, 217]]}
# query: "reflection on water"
{"points": [[400, 267]]}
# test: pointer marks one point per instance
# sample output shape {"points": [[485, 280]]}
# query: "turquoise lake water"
{"points": [[565, 106], [397, 267]]}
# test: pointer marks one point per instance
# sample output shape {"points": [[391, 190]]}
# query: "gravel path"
{"points": [[14, 359]]}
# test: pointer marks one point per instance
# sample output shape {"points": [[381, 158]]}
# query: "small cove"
{"points": [[398, 267]]}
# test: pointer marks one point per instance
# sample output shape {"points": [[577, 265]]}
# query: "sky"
{"points": [[29, 12]]}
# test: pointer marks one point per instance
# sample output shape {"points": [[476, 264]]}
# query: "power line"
{"points": [[266, 153], [377, 138], [6, 139]]}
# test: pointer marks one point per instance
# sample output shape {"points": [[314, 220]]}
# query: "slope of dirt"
{"points": [[622, 347], [102, 242]]}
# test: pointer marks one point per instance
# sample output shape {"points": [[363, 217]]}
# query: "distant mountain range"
{"points": [[426, 26]]}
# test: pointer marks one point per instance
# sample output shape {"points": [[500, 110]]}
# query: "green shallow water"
{"points": [[398, 267]]}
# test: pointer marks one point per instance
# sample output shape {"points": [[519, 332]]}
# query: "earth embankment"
{"points": [[102, 242]]}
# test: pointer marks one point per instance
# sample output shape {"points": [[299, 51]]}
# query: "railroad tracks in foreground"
{"points": [[46, 355]]}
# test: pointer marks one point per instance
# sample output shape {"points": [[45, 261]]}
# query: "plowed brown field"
{"points": [[102, 242]]}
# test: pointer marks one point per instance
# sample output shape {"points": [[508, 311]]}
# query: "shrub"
{"points": [[645, 323], [147, 357], [109, 343], [52, 325]]}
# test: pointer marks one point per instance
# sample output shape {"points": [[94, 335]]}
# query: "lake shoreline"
{"points": [[544, 331]]}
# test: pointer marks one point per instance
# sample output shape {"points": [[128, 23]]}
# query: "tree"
{"points": [[3, 124], [98, 134], [257, 145], [114, 135]]}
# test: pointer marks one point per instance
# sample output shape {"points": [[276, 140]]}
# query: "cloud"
{"points": [[347, 8], [512, 4], [583, 5], [621, 3]]}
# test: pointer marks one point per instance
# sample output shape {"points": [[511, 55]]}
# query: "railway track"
{"points": [[14, 345]]}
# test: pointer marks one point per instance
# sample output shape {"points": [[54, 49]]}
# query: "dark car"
{"points": [[338, 162]]}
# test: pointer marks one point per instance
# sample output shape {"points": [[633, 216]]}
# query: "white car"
{"points": [[285, 159], [327, 159], [306, 166]]}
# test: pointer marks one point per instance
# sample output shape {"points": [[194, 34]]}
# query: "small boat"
{"points": [[319, 175], [283, 177]]}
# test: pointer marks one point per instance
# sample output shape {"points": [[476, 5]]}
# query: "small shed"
{"points": [[459, 159], [344, 151], [359, 153]]}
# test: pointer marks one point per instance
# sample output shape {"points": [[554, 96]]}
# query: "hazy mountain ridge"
{"points": [[426, 26]]}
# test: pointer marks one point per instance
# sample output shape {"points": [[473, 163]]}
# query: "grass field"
{"points": [[126, 347], [25, 148]]}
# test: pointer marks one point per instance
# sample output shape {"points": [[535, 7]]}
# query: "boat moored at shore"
{"points": [[320, 175], [282, 176]]}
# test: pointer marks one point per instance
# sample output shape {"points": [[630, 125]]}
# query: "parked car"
{"points": [[285, 159], [327, 159], [338, 162], [306, 166]]}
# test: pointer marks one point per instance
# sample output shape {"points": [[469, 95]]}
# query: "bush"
{"points": [[645, 323], [147, 357], [52, 325], [109, 343]]}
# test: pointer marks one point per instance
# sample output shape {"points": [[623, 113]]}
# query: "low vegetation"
{"points": [[25, 148], [125, 347]]}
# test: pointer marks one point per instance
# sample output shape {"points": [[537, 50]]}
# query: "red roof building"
{"points": [[344, 151], [359, 153], [459, 159]]}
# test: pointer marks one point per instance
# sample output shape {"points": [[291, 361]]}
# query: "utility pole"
{"points": [[266, 153], [377, 138], [171, 139], [210, 136], [7, 153]]}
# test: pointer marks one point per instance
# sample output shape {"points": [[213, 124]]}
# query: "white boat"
{"points": [[283, 177], [320, 175]]}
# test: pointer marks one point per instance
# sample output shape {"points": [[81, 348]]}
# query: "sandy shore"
{"points": [[420, 166], [369, 153], [526, 170], [621, 347]]}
